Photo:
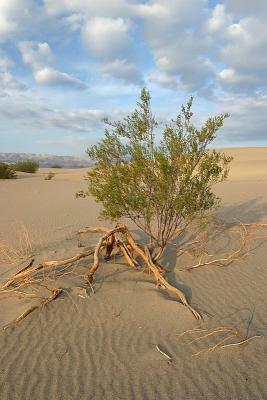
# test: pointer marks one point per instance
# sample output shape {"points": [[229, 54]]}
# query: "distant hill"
{"points": [[47, 160]]}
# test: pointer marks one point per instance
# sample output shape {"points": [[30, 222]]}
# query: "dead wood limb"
{"points": [[30, 270], [26, 313], [110, 244], [90, 229], [161, 269], [158, 254], [27, 266], [159, 278], [110, 238], [95, 265], [55, 293], [125, 251], [162, 281], [169, 358]]}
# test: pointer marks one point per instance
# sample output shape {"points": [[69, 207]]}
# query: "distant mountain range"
{"points": [[47, 160]]}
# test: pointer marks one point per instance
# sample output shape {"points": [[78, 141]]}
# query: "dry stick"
{"points": [[25, 273], [90, 229], [194, 330], [257, 225], [54, 295], [220, 329], [225, 261], [27, 266], [163, 353], [160, 268], [230, 332], [26, 313], [242, 342], [127, 255], [235, 254], [212, 348]]}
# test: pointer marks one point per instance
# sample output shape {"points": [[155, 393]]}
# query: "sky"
{"points": [[67, 64]]}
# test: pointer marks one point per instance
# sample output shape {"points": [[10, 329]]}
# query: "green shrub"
{"points": [[29, 166], [49, 176], [161, 186], [6, 171], [56, 166]]}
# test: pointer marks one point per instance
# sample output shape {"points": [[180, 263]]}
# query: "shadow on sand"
{"points": [[253, 211]]}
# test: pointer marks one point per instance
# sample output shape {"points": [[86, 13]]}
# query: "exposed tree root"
{"points": [[118, 237], [145, 255], [95, 265], [162, 281], [139, 257]]}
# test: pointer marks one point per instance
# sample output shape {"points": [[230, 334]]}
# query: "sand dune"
{"points": [[103, 345]]}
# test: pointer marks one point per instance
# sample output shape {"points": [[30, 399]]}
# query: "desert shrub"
{"points": [[49, 176], [161, 186], [29, 166], [6, 171], [56, 166]]}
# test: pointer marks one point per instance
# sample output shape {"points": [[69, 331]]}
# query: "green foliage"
{"points": [[56, 166], [49, 176], [161, 186], [29, 166], [6, 171]]}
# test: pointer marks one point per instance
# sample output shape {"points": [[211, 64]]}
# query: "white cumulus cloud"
{"points": [[39, 56], [7, 80], [52, 77], [106, 37]]}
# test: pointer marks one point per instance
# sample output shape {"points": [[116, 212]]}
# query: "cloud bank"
{"points": [[66, 54]]}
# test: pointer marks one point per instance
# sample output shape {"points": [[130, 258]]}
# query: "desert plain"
{"points": [[104, 344]]}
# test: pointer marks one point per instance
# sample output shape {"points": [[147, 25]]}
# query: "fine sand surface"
{"points": [[102, 345]]}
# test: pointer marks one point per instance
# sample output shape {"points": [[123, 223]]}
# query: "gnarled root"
{"points": [[145, 255], [118, 237]]}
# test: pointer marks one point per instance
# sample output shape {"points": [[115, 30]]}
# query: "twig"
{"points": [[164, 354], [48, 264], [242, 342], [54, 295], [235, 254]]}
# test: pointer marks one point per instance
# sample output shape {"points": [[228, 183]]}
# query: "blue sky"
{"points": [[66, 64]]}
